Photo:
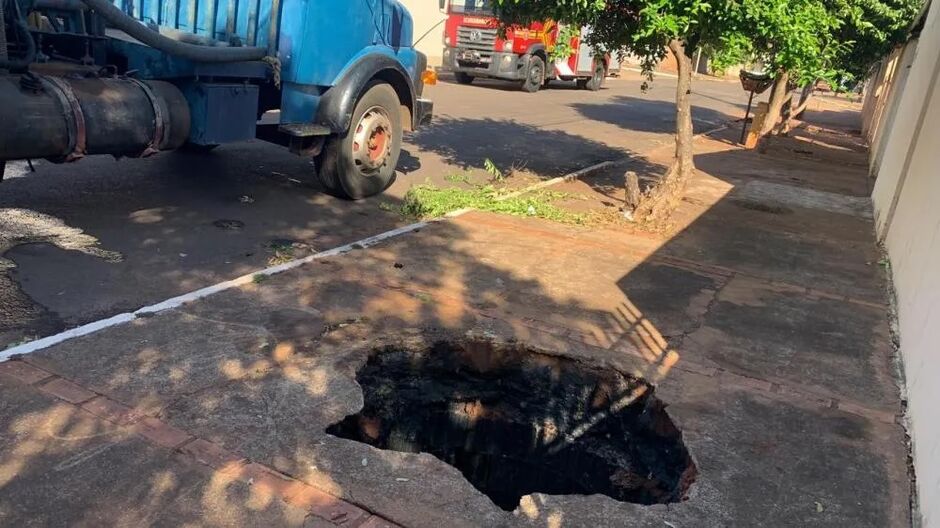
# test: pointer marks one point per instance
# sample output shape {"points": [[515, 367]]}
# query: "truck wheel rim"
{"points": [[372, 140], [535, 74]]}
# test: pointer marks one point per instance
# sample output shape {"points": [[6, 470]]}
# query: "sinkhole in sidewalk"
{"points": [[517, 421]]}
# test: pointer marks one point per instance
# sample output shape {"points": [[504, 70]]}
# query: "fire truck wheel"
{"points": [[463, 78], [535, 75], [362, 162], [594, 83]]}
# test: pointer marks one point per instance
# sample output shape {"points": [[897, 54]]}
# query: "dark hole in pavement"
{"points": [[515, 421], [762, 207]]}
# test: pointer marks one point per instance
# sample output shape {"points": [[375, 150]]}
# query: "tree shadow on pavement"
{"points": [[548, 153], [649, 115]]}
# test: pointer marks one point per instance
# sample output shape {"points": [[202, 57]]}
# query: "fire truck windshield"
{"points": [[476, 7]]}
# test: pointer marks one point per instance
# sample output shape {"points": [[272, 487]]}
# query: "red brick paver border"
{"points": [[110, 410], [326, 506], [162, 433], [68, 391], [290, 490], [212, 455], [23, 372]]}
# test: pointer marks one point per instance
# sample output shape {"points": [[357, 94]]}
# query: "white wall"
{"points": [[899, 137], [426, 16], [907, 203], [904, 66]]}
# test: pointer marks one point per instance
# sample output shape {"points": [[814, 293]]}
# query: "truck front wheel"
{"points": [[463, 78], [535, 75], [597, 80], [362, 162]]}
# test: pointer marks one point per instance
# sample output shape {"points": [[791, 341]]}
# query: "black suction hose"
{"points": [[193, 52]]}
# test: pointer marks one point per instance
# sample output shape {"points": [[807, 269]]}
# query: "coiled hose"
{"points": [[193, 52]]}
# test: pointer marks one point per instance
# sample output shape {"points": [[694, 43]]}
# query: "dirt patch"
{"points": [[516, 421]]}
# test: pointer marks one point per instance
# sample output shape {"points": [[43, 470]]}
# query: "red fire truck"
{"points": [[473, 48]]}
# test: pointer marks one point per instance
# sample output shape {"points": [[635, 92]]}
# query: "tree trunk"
{"points": [[661, 200], [777, 97], [805, 96], [797, 113]]}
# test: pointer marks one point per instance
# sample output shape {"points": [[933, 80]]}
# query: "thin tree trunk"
{"points": [[777, 97], [661, 200], [805, 96], [684, 132], [797, 113]]}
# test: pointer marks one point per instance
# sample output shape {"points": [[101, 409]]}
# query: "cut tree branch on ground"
{"points": [[632, 194]]}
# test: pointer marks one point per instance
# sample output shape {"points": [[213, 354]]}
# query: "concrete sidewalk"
{"points": [[760, 316]]}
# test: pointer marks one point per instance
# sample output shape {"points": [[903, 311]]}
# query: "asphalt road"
{"points": [[83, 241]]}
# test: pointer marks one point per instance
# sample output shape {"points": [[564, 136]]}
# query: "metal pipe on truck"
{"points": [[63, 119]]}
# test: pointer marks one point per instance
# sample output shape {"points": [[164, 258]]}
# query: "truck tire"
{"points": [[597, 80], [534, 75], [361, 162], [463, 78]]}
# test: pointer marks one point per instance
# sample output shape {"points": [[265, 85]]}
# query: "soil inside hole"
{"points": [[515, 421]]}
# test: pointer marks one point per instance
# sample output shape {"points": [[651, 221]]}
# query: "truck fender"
{"points": [[538, 49], [339, 101]]}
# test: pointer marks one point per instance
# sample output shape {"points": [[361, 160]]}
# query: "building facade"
{"points": [[429, 28]]}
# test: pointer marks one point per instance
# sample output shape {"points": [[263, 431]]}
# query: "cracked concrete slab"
{"points": [[834, 347], [807, 198]]}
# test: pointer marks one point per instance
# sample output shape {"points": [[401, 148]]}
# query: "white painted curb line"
{"points": [[46, 342], [176, 302]]}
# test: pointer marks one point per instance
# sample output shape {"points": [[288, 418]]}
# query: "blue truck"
{"points": [[336, 80]]}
